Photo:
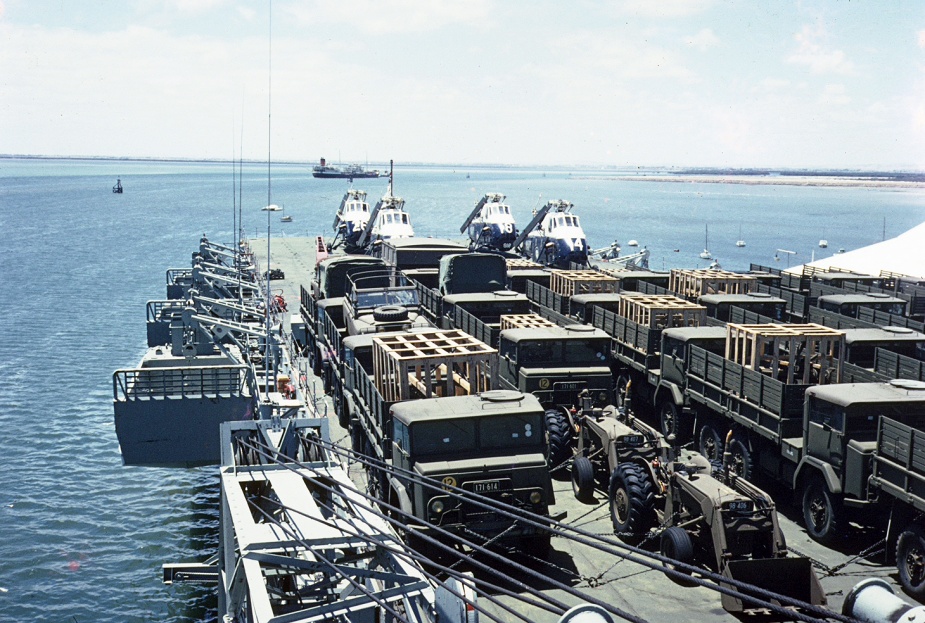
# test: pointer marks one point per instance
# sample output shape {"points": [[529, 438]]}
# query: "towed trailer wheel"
{"points": [[632, 501], [676, 544], [910, 560], [821, 511], [583, 478], [672, 423]]}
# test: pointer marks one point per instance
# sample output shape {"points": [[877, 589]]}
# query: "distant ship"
{"points": [[118, 187], [349, 171]]}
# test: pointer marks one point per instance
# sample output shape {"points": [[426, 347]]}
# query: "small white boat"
{"points": [[286, 219], [741, 241], [705, 254], [632, 243], [823, 243]]}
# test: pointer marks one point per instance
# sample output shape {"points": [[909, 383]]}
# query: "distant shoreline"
{"points": [[764, 180]]}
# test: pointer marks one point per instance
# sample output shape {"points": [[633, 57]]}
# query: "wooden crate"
{"points": [[432, 364], [514, 263], [792, 353], [524, 321], [660, 311], [572, 282], [693, 283]]}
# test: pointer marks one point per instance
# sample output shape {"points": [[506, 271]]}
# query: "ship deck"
{"points": [[638, 590]]}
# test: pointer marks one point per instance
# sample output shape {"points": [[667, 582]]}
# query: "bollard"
{"points": [[873, 601]]}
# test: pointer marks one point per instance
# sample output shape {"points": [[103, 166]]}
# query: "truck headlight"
{"points": [[536, 497], [436, 507]]}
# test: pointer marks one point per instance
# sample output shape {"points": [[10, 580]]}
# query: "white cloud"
{"points": [[247, 13], [194, 6], [834, 95], [813, 53], [771, 85], [666, 9], [392, 16], [921, 37], [703, 40]]}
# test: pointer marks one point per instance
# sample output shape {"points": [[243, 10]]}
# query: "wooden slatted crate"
{"points": [[792, 353], [660, 311], [694, 283], [432, 364], [524, 321], [572, 282], [515, 263]]}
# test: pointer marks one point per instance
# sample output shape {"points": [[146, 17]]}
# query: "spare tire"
{"points": [[390, 313]]}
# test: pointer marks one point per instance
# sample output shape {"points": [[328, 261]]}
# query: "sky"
{"points": [[785, 84]]}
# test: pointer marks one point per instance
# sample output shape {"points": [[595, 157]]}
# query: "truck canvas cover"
{"points": [[472, 272]]}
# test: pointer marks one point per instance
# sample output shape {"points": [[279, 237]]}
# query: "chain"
{"points": [[877, 548]]}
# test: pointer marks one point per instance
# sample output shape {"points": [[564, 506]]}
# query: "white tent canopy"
{"points": [[904, 254]]}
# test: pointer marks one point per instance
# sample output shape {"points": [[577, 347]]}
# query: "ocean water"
{"points": [[83, 538]]}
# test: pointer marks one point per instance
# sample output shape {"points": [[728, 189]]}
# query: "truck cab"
{"points": [[556, 363], [839, 440], [848, 304], [718, 305], [381, 300], [487, 447], [861, 344]]}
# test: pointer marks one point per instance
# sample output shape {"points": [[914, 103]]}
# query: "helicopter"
{"points": [[352, 217], [554, 237], [387, 220], [491, 225]]}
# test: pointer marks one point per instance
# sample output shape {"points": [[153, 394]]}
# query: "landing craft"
{"points": [[554, 237], [491, 225], [352, 218]]}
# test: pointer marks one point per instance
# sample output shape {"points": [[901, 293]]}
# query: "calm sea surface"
{"points": [[83, 538]]}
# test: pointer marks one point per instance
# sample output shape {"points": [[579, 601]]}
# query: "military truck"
{"points": [[756, 389], [328, 286], [419, 258], [556, 364], [724, 307], [636, 331], [488, 445]]}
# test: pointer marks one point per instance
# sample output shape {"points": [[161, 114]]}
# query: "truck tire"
{"points": [[583, 478], [910, 560], [710, 444], [390, 313], [316, 361], [671, 422], [741, 462], [632, 502], [676, 544], [558, 438], [340, 407], [822, 513]]}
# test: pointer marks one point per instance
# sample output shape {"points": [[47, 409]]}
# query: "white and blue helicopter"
{"points": [[554, 237], [387, 220], [491, 225], [352, 217]]}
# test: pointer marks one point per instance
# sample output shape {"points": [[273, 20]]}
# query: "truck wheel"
{"points": [[558, 438], [632, 502], [340, 407], [676, 544], [357, 438], [669, 417], [910, 560], [710, 444], [583, 478], [821, 511], [741, 458], [316, 361]]}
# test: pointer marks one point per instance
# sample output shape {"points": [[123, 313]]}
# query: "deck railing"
{"points": [[180, 382]]}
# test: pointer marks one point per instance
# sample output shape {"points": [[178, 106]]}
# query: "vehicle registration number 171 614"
{"points": [[486, 486]]}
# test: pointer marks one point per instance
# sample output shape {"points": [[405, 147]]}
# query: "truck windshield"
{"points": [[468, 436], [443, 437], [566, 352], [512, 431], [407, 297]]}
